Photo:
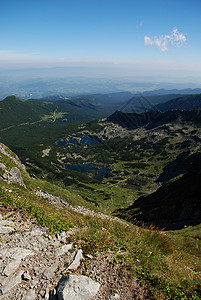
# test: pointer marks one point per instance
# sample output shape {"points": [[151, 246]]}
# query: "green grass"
{"points": [[187, 239], [150, 255]]}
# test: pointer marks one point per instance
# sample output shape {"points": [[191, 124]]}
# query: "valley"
{"points": [[132, 153], [140, 164]]}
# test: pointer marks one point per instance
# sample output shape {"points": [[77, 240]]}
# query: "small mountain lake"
{"points": [[84, 140], [99, 171]]}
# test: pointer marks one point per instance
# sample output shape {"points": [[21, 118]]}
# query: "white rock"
{"points": [[53, 294], [7, 223], [36, 232], [31, 295], [16, 253], [89, 256], [63, 249], [6, 226], [5, 229], [11, 267], [3, 166], [47, 295], [75, 287], [10, 282], [76, 261], [49, 272]]}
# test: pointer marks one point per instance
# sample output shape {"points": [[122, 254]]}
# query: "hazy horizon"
{"points": [[156, 42]]}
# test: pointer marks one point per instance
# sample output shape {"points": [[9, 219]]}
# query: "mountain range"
{"points": [[83, 162], [155, 145]]}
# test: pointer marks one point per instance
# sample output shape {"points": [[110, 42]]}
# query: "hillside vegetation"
{"points": [[15, 111], [144, 167], [145, 253]]}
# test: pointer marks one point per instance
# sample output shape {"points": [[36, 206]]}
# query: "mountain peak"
{"points": [[12, 98]]}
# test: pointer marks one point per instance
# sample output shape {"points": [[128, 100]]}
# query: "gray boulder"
{"points": [[77, 287], [13, 176], [6, 151]]}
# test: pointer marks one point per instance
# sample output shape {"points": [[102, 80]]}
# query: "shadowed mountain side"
{"points": [[182, 164], [152, 119], [141, 102], [172, 206], [187, 102]]}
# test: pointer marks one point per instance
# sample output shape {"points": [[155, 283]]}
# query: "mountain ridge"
{"points": [[187, 102], [153, 118]]}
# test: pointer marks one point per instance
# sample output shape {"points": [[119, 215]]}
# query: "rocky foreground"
{"points": [[36, 265]]}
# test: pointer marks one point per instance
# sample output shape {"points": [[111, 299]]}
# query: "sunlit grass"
{"points": [[147, 252]]}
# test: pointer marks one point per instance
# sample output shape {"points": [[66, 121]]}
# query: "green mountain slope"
{"points": [[128, 253], [15, 111]]}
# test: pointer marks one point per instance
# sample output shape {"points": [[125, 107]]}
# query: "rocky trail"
{"points": [[36, 265]]}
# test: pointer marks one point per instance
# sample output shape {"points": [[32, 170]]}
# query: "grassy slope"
{"points": [[171, 273]]}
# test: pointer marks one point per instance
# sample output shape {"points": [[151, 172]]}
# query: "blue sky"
{"points": [[144, 36]]}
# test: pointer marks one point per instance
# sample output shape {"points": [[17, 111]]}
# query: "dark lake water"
{"points": [[64, 143], [72, 141], [99, 171], [61, 143], [85, 140]]}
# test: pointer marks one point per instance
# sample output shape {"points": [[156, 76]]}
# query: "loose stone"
{"points": [[75, 287]]}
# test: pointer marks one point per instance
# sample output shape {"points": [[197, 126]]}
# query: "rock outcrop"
{"points": [[13, 176], [77, 287], [6, 151]]}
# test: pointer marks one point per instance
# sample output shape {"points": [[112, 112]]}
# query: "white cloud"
{"points": [[163, 42]]}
